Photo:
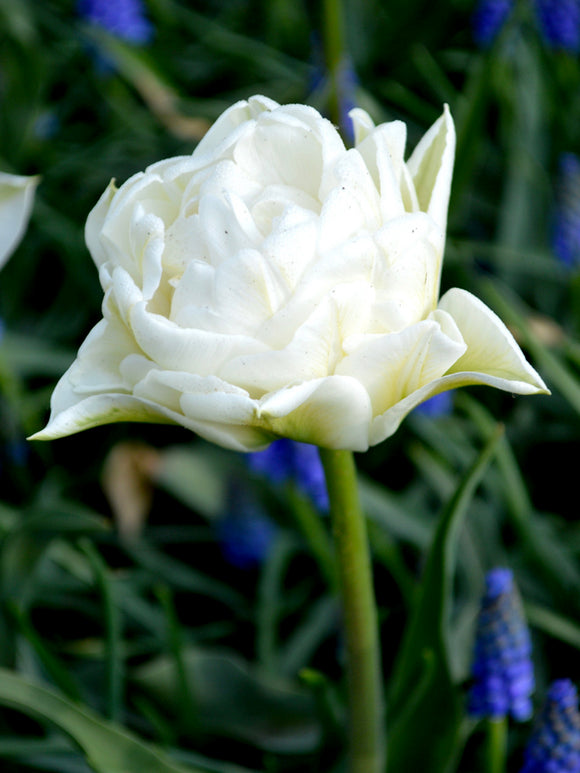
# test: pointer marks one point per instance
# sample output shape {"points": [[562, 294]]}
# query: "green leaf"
{"points": [[179, 575], [552, 367], [553, 624], [197, 476], [31, 535], [108, 748], [235, 700], [385, 508], [30, 356], [424, 709]]}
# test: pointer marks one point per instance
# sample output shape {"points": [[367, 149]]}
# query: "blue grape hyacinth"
{"points": [[125, 19], [559, 22], [438, 405], [488, 20], [566, 231], [245, 532], [503, 676], [554, 746], [287, 461]]}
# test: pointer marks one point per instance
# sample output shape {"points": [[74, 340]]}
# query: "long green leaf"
{"points": [[422, 697], [108, 747]]}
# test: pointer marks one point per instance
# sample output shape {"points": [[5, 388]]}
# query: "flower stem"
{"points": [[496, 745], [365, 688]]}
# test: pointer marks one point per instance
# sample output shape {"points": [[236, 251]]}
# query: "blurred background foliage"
{"points": [[151, 582]]}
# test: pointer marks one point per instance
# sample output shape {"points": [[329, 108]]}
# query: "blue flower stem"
{"points": [[333, 36], [496, 745], [364, 679]]}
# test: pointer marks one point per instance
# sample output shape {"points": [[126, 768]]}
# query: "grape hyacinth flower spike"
{"points": [[554, 746], [488, 20], [502, 668], [125, 19], [559, 23], [245, 532], [566, 230], [287, 461]]}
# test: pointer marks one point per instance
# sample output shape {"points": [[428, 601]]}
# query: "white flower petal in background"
{"points": [[275, 283], [16, 200]]}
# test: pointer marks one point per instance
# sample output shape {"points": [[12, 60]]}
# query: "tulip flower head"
{"points": [[555, 743], [277, 284], [502, 667]]}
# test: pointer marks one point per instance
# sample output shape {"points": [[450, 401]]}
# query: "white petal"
{"points": [[332, 412], [97, 366], [94, 225], [282, 149], [493, 356], [390, 367], [431, 167], [362, 123], [352, 206], [311, 354], [225, 229], [386, 424], [408, 277], [291, 246], [95, 410], [223, 132], [174, 348], [147, 237], [217, 411], [383, 152], [16, 200]]}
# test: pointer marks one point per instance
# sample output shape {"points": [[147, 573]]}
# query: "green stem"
{"points": [[365, 688], [496, 745]]}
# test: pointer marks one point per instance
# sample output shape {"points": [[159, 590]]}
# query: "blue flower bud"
{"points": [[123, 18], [566, 232], [502, 668], [438, 405], [488, 20], [559, 22], [245, 532], [287, 461], [554, 746]]}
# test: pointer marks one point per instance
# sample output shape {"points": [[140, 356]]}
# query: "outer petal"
{"points": [[95, 373], [95, 410], [492, 357], [16, 199], [431, 167], [332, 412], [95, 222]]}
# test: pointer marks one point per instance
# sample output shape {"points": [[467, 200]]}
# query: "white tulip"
{"points": [[16, 200], [275, 283]]}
